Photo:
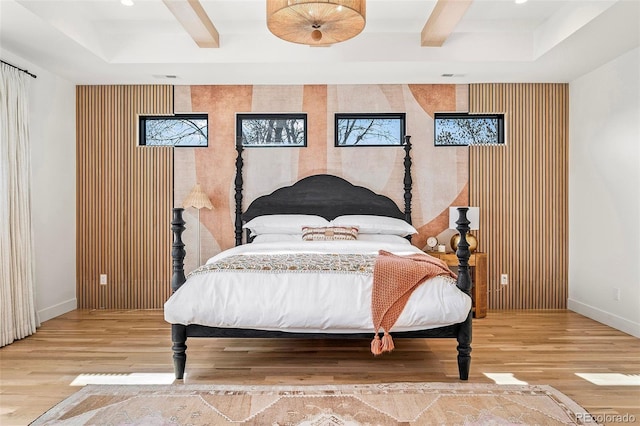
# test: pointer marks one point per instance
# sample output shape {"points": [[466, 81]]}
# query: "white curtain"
{"points": [[18, 316]]}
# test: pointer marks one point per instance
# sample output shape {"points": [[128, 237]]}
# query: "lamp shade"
{"points": [[316, 22], [197, 198], [473, 216]]}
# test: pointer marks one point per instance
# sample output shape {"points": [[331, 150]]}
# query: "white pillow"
{"points": [[276, 238], [368, 224], [384, 238], [283, 223]]}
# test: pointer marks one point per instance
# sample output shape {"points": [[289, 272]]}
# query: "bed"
{"points": [[309, 269]]}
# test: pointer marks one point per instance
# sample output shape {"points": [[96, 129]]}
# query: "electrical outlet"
{"points": [[103, 279], [504, 279], [616, 294]]}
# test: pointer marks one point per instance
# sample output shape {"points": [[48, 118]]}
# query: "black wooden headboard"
{"points": [[323, 195]]}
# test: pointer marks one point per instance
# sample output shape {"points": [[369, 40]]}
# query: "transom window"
{"points": [[462, 129], [180, 130]]}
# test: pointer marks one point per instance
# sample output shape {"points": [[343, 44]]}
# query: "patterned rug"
{"points": [[345, 405]]}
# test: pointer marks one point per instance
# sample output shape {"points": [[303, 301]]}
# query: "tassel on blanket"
{"points": [[387, 343], [376, 345]]}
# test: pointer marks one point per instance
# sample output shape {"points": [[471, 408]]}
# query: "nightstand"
{"points": [[478, 271]]}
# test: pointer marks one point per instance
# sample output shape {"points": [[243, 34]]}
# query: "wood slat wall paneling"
{"points": [[521, 189], [124, 199]]}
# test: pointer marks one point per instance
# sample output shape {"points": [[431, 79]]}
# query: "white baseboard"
{"points": [[57, 310], [607, 318]]}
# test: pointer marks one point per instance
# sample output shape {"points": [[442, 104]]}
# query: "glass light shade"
{"points": [[316, 23]]}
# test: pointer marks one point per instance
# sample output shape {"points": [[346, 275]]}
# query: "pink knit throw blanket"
{"points": [[394, 279]]}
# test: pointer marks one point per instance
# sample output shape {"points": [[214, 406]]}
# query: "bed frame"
{"points": [[328, 196]]}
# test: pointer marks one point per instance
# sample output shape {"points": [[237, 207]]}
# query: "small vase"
{"points": [[471, 239]]}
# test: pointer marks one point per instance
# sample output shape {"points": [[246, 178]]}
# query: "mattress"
{"points": [[311, 301]]}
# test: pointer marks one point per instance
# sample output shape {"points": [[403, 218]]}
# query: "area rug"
{"points": [[345, 405]]}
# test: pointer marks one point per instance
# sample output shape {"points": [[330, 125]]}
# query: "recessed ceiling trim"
{"points": [[442, 21], [195, 21]]}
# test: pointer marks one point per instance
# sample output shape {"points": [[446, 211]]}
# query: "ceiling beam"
{"points": [[195, 21], [442, 21]]}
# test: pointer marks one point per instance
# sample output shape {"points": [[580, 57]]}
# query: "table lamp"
{"points": [[197, 199]]}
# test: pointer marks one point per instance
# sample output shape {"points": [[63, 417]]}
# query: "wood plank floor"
{"points": [[537, 347]]}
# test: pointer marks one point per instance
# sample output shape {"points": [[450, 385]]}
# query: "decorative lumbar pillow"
{"points": [[329, 233], [283, 223], [369, 224]]}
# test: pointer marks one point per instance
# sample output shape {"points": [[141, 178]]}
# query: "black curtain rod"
{"points": [[19, 69]]}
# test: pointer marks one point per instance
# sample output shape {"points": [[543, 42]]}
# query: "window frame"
{"points": [[400, 116], [245, 116], [143, 118], [500, 134]]}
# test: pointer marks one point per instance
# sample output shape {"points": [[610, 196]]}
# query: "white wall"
{"points": [[604, 194], [53, 192]]}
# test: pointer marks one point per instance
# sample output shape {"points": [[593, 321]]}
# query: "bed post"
{"points": [[464, 284], [177, 252], [179, 348], [178, 331], [463, 253], [408, 182], [238, 196]]}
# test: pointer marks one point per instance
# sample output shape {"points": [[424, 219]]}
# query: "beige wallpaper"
{"points": [[440, 174]]}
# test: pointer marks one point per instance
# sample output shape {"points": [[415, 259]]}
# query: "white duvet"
{"points": [[308, 302]]}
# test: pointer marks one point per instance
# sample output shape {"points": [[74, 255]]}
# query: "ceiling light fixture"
{"points": [[520, 1], [316, 23], [127, 2]]}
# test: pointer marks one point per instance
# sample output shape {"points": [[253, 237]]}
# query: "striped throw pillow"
{"points": [[329, 233]]}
